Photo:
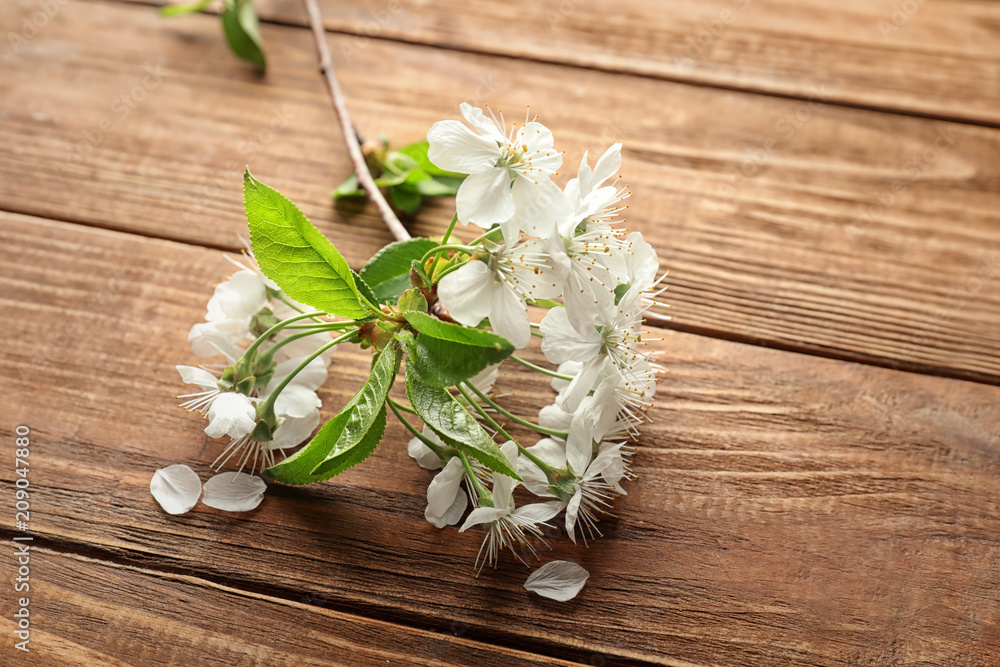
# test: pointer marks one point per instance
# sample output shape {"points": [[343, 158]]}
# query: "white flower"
{"points": [[222, 336], [496, 285], [176, 488], [421, 453], [231, 414], [595, 206], [559, 580], [239, 297], [504, 167], [234, 492], [507, 525], [446, 502]]}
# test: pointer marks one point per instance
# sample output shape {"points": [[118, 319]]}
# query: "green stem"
{"points": [[447, 246], [268, 405], [275, 329], [523, 422], [268, 355], [451, 228], [437, 278], [476, 484], [434, 447], [546, 371]]}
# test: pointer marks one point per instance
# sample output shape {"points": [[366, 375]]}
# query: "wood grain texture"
{"points": [[789, 510], [798, 225], [91, 612], [939, 59]]}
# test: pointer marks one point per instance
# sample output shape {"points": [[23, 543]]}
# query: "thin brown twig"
{"points": [[365, 179]]}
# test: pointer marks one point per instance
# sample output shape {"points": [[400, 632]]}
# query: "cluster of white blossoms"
{"points": [[563, 250], [234, 396], [545, 243]]}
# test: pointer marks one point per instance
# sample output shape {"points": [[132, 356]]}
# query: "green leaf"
{"points": [[351, 436], [294, 254], [418, 268], [412, 300], [239, 22], [363, 288], [418, 151], [388, 272], [431, 187], [453, 423], [349, 188], [190, 8], [445, 354], [406, 198]]}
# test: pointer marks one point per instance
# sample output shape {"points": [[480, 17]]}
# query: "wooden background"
{"points": [[822, 482]]}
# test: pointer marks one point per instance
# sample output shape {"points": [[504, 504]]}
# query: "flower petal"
{"points": [[231, 414], [454, 147], [198, 376], [572, 509], [421, 453], [509, 317], [468, 293], [293, 431], [563, 342], [608, 165], [444, 487], [484, 198], [559, 580], [540, 512], [480, 123], [176, 488], [483, 515], [234, 492]]}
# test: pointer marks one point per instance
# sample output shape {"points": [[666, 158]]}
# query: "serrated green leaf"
{"points": [[190, 8], [295, 255], [445, 354], [349, 188], [239, 23], [388, 272], [363, 288], [351, 436], [406, 198], [453, 424], [418, 268]]}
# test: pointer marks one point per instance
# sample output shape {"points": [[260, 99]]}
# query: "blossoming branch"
{"points": [[444, 314]]}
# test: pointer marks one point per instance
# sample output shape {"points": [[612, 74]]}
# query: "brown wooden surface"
{"points": [[790, 509], [940, 59], [782, 260]]}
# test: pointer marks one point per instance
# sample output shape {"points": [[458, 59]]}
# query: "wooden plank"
{"points": [[789, 510], [88, 611], [939, 59], [804, 226]]}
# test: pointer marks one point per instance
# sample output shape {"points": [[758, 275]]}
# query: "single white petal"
{"points": [[480, 123], [484, 198], [608, 165], [580, 295], [234, 492], [293, 431], [571, 368], [581, 385], [422, 454], [503, 486], [580, 443], [468, 293], [223, 337], [540, 512], [454, 147], [176, 488], [452, 515], [541, 208], [231, 414], [509, 317], [572, 509], [241, 296], [296, 401], [311, 377], [444, 487], [641, 261], [198, 376], [562, 342], [554, 417], [483, 515], [559, 580]]}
